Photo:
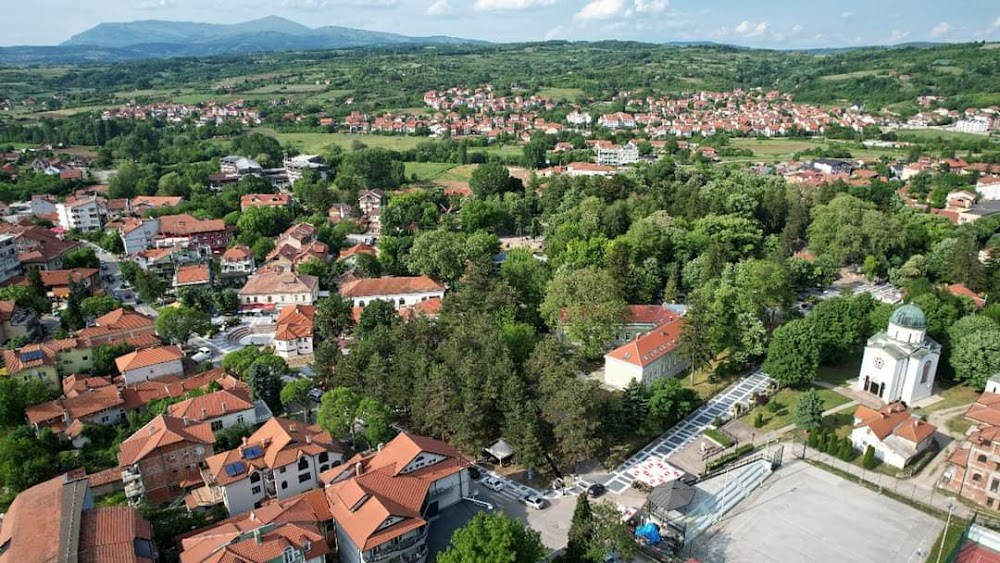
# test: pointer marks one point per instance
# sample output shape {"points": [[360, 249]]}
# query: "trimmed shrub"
{"points": [[813, 440], [846, 449], [758, 419], [869, 461]]}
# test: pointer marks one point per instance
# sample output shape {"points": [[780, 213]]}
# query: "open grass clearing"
{"points": [[556, 93], [841, 373], [954, 396], [316, 142], [782, 413], [427, 171], [288, 89]]}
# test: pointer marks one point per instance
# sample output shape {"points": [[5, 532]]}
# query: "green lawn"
{"points": [[787, 400], [571, 94], [934, 133], [959, 424], [428, 171], [775, 148], [954, 396], [950, 537], [316, 142], [841, 373], [288, 89]]}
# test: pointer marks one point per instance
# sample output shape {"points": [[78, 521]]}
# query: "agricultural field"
{"points": [[568, 94]]}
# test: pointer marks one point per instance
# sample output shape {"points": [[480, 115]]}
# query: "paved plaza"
{"points": [[803, 513]]}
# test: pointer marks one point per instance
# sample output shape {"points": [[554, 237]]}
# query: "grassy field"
{"points": [[955, 396], [849, 75], [787, 400], [841, 373], [316, 142], [774, 149], [288, 89], [427, 171], [935, 133], [571, 94]]}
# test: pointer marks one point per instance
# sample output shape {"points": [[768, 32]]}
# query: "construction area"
{"points": [[803, 513]]}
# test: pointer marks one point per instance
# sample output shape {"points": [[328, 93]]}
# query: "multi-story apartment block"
{"points": [[10, 266], [162, 459], [83, 214]]}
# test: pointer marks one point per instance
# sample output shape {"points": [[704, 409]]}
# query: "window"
{"points": [[255, 490], [282, 470], [324, 457], [981, 458], [216, 425], [239, 419], [925, 375], [977, 478], [289, 555], [255, 477], [995, 485], [304, 477], [284, 485], [303, 462]]}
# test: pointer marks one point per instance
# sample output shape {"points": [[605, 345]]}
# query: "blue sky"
{"points": [[756, 23]]}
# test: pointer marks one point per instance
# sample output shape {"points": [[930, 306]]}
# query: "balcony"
{"points": [[388, 550], [134, 490], [130, 475]]}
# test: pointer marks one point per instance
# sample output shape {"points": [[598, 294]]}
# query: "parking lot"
{"points": [[802, 513]]}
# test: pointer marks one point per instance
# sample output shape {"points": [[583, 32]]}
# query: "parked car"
{"points": [[316, 394], [493, 484], [474, 473], [533, 501], [203, 354], [596, 490]]}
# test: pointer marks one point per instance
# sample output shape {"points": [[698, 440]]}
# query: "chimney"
{"points": [[291, 427], [357, 469], [187, 421], [225, 409], [204, 413], [309, 438], [256, 535]]}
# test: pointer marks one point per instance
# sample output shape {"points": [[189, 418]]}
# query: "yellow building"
{"points": [[48, 361]]}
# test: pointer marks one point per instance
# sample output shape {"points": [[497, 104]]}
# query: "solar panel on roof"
{"points": [[31, 355], [252, 452], [234, 469]]}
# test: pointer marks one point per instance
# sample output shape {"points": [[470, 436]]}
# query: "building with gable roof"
{"points": [[281, 459], [222, 409], [293, 335], [401, 291], [264, 200], [896, 435], [270, 291], [17, 322], [47, 361], [56, 521], [161, 460], [651, 355], [94, 400], [383, 503], [900, 363], [296, 530], [116, 327], [150, 363]]}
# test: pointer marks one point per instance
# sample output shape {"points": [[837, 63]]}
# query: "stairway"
{"points": [[738, 485]]}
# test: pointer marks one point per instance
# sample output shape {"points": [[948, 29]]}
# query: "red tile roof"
{"points": [[192, 274], [160, 432], [389, 285], [985, 410], [29, 357], [148, 357], [108, 534], [238, 252], [295, 322], [61, 278], [360, 248], [212, 405], [960, 290], [650, 347], [140, 394], [893, 419], [185, 224]]}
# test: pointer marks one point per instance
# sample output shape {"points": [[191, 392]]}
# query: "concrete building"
{"points": [[161, 460], [10, 266], [222, 409], [48, 362], [17, 322], [280, 460], [900, 363], [896, 435], [647, 357], [82, 214], [618, 155], [403, 291], [973, 470], [293, 335], [150, 363]]}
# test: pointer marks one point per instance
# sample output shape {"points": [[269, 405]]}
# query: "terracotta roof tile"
{"points": [[108, 534], [650, 347], [148, 357], [212, 405], [192, 274], [160, 432], [389, 285]]}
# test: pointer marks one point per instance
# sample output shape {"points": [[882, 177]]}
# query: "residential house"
{"points": [[900, 363], [831, 166], [138, 395], [93, 400], [371, 202], [973, 470], [150, 363], [384, 503], [193, 276], [401, 291], [296, 245], [209, 236], [988, 187], [17, 322], [296, 530], [142, 203], [162, 459], [271, 291], [47, 362], [239, 166], [57, 282], [264, 200], [619, 120], [237, 260], [119, 326], [650, 356], [338, 212], [38, 248], [83, 214], [10, 266], [293, 335], [350, 255], [588, 169], [961, 290], [896, 436], [222, 409], [280, 460], [138, 234], [56, 521], [618, 155], [296, 166]]}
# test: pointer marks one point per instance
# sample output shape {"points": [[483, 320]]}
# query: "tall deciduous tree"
{"points": [[493, 178], [264, 381], [581, 528], [976, 357], [793, 354], [298, 392], [585, 304], [178, 323], [338, 410], [493, 537]]}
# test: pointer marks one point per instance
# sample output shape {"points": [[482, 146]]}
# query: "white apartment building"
{"points": [[281, 459], [10, 266], [618, 155], [83, 214], [139, 234], [272, 291]]}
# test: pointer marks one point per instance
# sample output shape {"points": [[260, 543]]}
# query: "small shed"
{"points": [[500, 450]]}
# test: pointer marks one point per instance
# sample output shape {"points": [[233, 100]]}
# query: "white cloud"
{"points": [[440, 8], [995, 24], [601, 10], [305, 4], [618, 9], [511, 5], [748, 28], [156, 4], [650, 6], [898, 35], [797, 28], [846, 15], [940, 30], [554, 33]]}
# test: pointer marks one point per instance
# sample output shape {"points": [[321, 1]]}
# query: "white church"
{"points": [[900, 363]]}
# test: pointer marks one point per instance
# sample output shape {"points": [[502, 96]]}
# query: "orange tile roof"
{"points": [[160, 432], [148, 357], [41, 522], [108, 534], [360, 248], [212, 405], [650, 314], [960, 290], [985, 410], [264, 200], [105, 477], [140, 394], [185, 224], [7, 310], [295, 322], [893, 419], [61, 278], [390, 285], [73, 385], [192, 273], [273, 283], [155, 201], [28, 357], [650, 347], [238, 252]]}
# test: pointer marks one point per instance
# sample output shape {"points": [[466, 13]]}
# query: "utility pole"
{"points": [[944, 534]]}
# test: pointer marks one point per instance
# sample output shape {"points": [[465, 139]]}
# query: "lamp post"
{"points": [[944, 535]]}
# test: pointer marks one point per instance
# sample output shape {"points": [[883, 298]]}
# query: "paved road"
{"points": [[690, 428]]}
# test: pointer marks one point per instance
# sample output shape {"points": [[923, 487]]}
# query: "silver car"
{"points": [[534, 501], [493, 484]]}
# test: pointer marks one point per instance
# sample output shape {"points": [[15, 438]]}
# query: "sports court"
{"points": [[803, 513]]}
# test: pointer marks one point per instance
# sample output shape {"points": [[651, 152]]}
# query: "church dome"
{"points": [[909, 316]]}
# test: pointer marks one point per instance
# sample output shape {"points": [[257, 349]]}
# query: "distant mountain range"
{"points": [[108, 42]]}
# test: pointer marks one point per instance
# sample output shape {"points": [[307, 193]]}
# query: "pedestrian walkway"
{"points": [[690, 428]]}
